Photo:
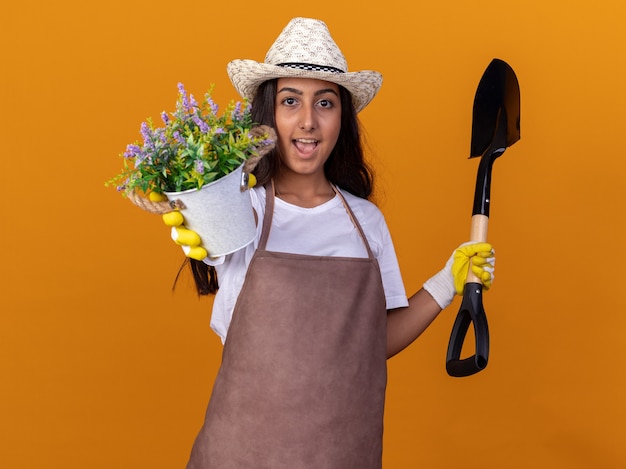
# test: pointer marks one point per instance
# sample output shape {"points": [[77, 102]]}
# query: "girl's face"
{"points": [[308, 122]]}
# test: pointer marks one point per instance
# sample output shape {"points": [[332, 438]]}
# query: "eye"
{"points": [[289, 101], [326, 103]]}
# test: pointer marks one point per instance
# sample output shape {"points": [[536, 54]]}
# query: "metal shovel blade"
{"points": [[495, 126], [497, 101]]}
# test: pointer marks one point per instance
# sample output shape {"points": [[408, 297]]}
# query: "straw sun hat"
{"points": [[305, 49]]}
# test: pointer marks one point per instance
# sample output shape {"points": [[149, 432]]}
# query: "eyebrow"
{"points": [[299, 92]]}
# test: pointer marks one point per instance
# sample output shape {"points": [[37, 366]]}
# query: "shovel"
{"points": [[495, 126]]}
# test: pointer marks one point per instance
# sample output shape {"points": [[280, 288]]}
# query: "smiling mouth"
{"points": [[305, 145]]}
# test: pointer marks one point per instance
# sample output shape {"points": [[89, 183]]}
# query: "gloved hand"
{"points": [[480, 257], [451, 279], [187, 239]]}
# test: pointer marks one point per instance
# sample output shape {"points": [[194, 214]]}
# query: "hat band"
{"points": [[311, 67]]}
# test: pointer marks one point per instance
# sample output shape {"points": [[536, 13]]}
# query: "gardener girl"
{"points": [[311, 310]]}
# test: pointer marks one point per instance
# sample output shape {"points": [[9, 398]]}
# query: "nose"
{"points": [[307, 120]]}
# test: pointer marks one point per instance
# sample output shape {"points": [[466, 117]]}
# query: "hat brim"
{"points": [[247, 75]]}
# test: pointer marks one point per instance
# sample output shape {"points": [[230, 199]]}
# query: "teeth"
{"points": [[306, 140]]}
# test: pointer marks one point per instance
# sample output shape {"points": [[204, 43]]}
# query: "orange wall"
{"points": [[102, 366]]}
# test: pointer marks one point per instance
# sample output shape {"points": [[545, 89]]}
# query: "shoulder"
{"points": [[365, 211], [257, 198], [371, 220], [257, 194]]}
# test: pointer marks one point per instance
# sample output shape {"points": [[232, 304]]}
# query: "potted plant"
{"points": [[199, 162]]}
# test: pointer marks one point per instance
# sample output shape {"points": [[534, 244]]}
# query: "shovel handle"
{"points": [[471, 312], [478, 234]]}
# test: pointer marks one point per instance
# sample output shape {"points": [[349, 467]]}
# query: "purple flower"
{"points": [[204, 128], [132, 151], [178, 137], [146, 133], [164, 117], [200, 166], [148, 136], [237, 115], [160, 135], [218, 131], [183, 97], [214, 107]]}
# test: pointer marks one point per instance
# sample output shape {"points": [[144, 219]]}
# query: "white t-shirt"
{"points": [[325, 230]]}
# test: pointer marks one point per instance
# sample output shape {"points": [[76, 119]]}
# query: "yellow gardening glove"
{"points": [[450, 281], [187, 239], [481, 257]]}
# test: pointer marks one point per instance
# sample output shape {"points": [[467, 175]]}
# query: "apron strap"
{"points": [[355, 222], [267, 217], [269, 212]]}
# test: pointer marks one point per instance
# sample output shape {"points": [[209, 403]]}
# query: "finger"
{"points": [[485, 254], [481, 261], [474, 249], [157, 197], [174, 218], [185, 237], [483, 274], [486, 277], [198, 252]]}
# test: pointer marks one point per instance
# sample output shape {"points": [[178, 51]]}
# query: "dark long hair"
{"points": [[346, 166]]}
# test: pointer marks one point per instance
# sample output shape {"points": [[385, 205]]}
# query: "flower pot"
{"points": [[220, 213]]}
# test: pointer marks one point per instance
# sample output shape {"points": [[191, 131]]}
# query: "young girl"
{"points": [[310, 311]]}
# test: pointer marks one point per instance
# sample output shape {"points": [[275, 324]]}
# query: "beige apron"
{"points": [[303, 374]]}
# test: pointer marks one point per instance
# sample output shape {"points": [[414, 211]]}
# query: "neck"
{"points": [[304, 191]]}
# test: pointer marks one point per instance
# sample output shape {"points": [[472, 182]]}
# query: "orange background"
{"points": [[102, 366]]}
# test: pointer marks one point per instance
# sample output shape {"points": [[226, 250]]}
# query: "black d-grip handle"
{"points": [[471, 311]]}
